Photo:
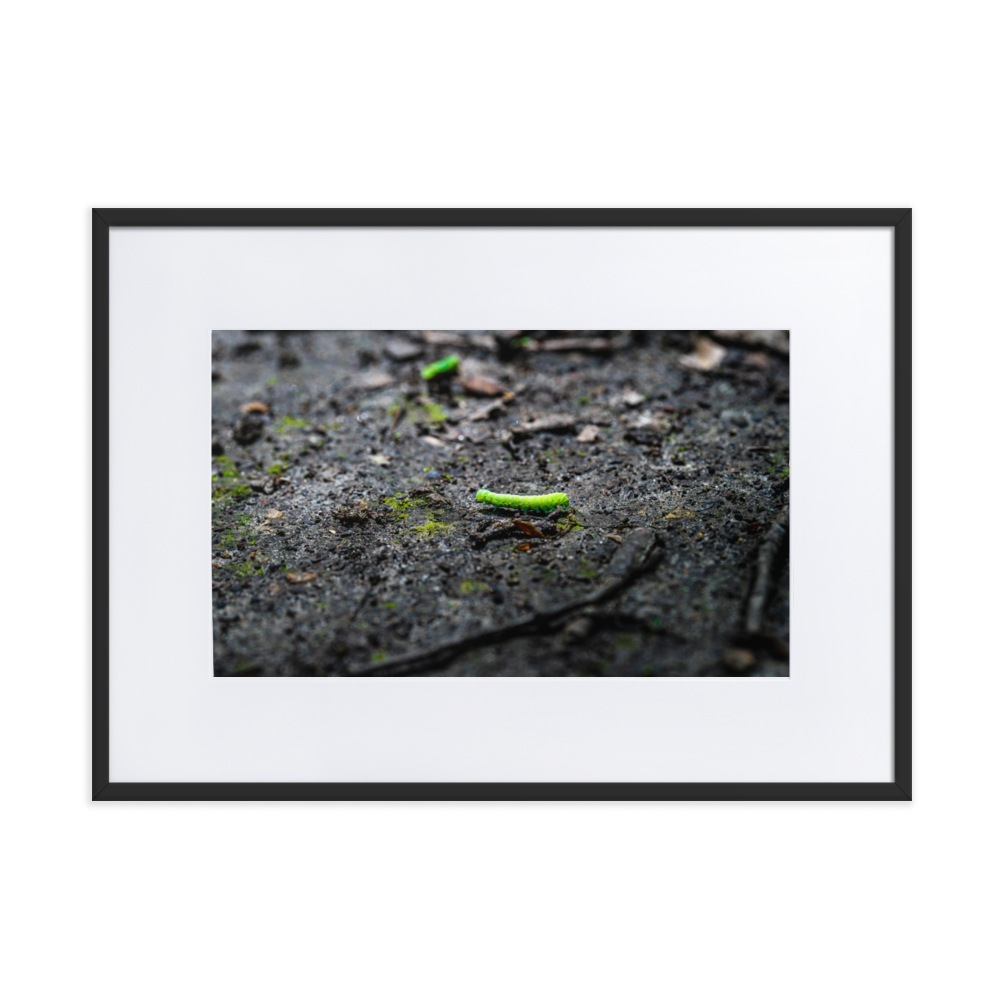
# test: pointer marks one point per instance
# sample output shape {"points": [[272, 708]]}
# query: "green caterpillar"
{"points": [[548, 501], [446, 366]]}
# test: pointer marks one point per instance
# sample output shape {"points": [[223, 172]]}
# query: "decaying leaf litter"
{"points": [[346, 539]]}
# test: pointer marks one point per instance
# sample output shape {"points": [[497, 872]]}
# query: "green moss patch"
{"points": [[433, 527], [287, 423]]}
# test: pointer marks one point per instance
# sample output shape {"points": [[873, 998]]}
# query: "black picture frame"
{"points": [[898, 219]]}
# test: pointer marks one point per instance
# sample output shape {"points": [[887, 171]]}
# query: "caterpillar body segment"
{"points": [[543, 502], [446, 366]]}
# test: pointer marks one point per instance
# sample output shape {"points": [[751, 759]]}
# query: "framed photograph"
{"points": [[498, 504]]}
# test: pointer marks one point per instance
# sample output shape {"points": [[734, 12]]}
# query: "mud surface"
{"points": [[345, 536]]}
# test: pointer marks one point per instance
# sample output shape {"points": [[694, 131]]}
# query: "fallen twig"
{"points": [[592, 345], [632, 558], [509, 528], [489, 411], [556, 423], [775, 341], [364, 599], [396, 420], [769, 550]]}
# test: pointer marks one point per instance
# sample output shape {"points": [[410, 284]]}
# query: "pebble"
{"points": [[738, 660], [403, 350], [577, 629], [249, 429]]}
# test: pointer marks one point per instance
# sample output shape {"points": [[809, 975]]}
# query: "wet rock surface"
{"points": [[345, 533]]}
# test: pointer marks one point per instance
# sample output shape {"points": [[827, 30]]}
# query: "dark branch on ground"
{"points": [[634, 557], [769, 551]]}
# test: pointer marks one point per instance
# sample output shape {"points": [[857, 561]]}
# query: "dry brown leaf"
{"points": [[479, 385], [442, 338], [554, 423], [524, 548], [255, 407], [706, 356], [272, 514], [300, 577], [528, 528], [484, 341], [772, 340]]}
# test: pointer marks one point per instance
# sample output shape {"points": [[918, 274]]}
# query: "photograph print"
{"points": [[500, 503]]}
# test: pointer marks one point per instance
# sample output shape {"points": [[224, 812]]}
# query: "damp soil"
{"points": [[346, 536]]}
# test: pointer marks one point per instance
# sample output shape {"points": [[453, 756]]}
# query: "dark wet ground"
{"points": [[345, 534]]}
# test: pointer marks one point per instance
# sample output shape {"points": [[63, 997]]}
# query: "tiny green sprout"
{"points": [[446, 366]]}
